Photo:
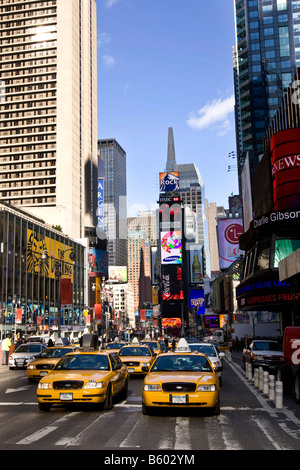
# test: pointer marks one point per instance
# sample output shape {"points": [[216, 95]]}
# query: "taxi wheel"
{"points": [[108, 400], [217, 408], [146, 409], [44, 407], [124, 391]]}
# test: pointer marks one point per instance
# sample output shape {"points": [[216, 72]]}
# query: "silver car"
{"points": [[24, 354], [213, 355]]}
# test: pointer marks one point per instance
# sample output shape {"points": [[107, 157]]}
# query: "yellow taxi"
{"points": [[181, 379], [114, 347], [46, 361], [84, 377], [138, 358], [154, 345]]}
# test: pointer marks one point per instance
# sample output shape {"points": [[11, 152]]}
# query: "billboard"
{"points": [[154, 266], [285, 160], [171, 248], [98, 263], [57, 253], [117, 274], [100, 193], [169, 181], [171, 280], [229, 231], [197, 300], [196, 263]]}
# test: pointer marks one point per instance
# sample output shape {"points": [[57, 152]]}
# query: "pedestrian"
{"points": [[18, 342], [50, 343], [6, 344]]}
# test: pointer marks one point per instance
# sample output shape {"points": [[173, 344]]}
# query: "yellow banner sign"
{"points": [[57, 256]]}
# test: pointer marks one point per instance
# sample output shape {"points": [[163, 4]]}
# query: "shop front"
{"points": [[42, 281]]}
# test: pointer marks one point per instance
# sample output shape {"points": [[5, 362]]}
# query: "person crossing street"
{"points": [[6, 344]]}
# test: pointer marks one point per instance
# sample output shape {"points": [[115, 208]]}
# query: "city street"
{"points": [[248, 421]]}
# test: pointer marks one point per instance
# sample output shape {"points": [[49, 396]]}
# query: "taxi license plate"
{"points": [[178, 399], [130, 369], [44, 372], [66, 396]]}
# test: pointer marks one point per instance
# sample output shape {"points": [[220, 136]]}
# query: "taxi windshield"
{"points": [[114, 346], [203, 348], [181, 363], [57, 352], [151, 344], [83, 362], [135, 351]]}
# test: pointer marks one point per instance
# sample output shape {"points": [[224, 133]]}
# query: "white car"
{"points": [[24, 354], [213, 355]]}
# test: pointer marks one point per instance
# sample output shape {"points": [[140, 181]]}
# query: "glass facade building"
{"points": [[35, 260], [115, 200], [266, 55]]}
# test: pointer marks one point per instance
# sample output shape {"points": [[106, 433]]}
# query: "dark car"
{"points": [[263, 352]]}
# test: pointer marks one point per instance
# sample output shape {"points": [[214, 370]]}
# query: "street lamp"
{"points": [[57, 264]]}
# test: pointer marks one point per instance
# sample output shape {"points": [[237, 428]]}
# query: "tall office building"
{"points": [[192, 192], [48, 110], [139, 268], [266, 53], [115, 200]]}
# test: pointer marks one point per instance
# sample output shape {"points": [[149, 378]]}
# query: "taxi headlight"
{"points": [[45, 385], [206, 388], [94, 384], [144, 364], [152, 388], [31, 366]]}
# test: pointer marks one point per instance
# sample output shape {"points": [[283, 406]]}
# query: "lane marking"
{"points": [[182, 434], [37, 435]]}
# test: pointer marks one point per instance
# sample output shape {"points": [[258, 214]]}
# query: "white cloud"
{"points": [[214, 113], [110, 3], [108, 61], [103, 38]]}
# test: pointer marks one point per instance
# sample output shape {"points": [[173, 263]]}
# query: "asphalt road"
{"points": [[248, 421]]}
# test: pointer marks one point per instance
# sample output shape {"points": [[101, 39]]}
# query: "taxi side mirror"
{"points": [[145, 369], [117, 366]]}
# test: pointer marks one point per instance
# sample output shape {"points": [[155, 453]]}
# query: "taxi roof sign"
{"points": [[183, 346]]}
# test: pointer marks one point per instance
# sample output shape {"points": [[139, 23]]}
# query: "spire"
{"points": [[171, 160]]}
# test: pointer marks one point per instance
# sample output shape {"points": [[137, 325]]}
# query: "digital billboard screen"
{"points": [[171, 247]]}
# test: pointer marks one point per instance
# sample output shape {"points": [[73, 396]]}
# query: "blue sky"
{"points": [[168, 63]]}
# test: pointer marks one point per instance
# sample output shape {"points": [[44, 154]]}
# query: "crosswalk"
{"points": [[134, 431]]}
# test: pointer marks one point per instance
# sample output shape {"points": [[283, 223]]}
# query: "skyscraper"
{"points": [[266, 55], [115, 200], [48, 111], [192, 192]]}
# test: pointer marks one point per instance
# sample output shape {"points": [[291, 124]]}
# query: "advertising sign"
{"points": [[285, 159], [66, 298], [196, 264], [154, 266], [197, 300], [172, 287], [171, 248], [117, 274], [229, 231], [100, 193], [98, 263], [56, 252], [169, 181]]}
